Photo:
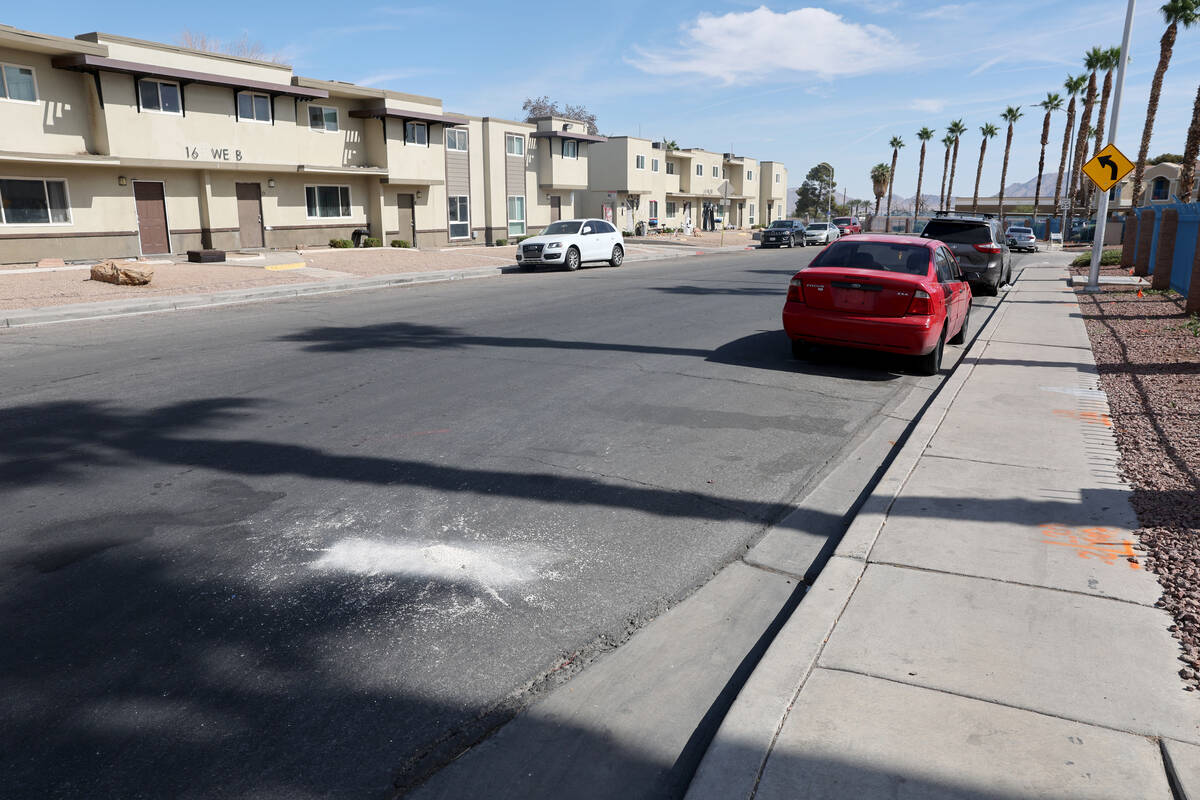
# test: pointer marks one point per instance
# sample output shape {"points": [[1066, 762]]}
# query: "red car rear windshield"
{"points": [[912, 259], [841, 220]]}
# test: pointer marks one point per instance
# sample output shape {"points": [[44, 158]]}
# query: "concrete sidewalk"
{"points": [[984, 629]]}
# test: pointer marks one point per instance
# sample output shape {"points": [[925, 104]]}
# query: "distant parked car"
{"points": [[783, 231], [899, 294], [847, 225], [571, 242], [978, 245], [1019, 238], [820, 233]]}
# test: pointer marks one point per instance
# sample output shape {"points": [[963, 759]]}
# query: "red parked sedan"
{"points": [[895, 293]]}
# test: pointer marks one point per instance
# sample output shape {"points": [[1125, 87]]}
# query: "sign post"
{"points": [[1106, 163]]}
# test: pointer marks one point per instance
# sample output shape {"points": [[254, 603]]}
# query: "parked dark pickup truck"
{"points": [[783, 231]]}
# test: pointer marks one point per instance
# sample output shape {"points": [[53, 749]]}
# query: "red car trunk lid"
{"points": [[867, 292]]}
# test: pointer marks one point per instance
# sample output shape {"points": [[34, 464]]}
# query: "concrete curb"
{"points": [[124, 308], [734, 761]]}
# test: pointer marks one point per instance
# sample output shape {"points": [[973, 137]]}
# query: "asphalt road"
{"points": [[282, 549]]}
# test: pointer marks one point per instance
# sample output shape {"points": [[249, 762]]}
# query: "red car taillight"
{"points": [[795, 291], [920, 305], [988, 248]]}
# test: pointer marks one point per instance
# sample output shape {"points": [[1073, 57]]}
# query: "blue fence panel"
{"points": [[1185, 246], [1156, 221]]}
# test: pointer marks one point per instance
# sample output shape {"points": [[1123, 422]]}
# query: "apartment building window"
{"points": [[777, 177], [456, 139], [723, 173], [514, 144], [34, 202], [254, 107], [653, 209], [327, 202], [671, 207], [160, 96], [323, 118], [460, 217], [516, 216], [416, 133], [1160, 188], [639, 162], [749, 174], [570, 148], [752, 213], [670, 167], [700, 170], [18, 83], [654, 165], [715, 172]]}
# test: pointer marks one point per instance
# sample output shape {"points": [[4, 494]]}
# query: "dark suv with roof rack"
{"points": [[978, 243]]}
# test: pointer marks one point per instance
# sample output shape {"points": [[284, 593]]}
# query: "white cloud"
{"points": [[948, 11], [390, 77], [932, 105], [741, 47]]}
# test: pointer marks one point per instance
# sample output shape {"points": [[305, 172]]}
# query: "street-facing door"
{"points": [[249, 202], [405, 204], [555, 208], [151, 204]]}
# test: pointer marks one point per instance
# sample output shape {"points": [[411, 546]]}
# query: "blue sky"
{"points": [[832, 80]]}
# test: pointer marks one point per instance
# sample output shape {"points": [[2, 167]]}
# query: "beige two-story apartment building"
{"points": [[772, 192]]}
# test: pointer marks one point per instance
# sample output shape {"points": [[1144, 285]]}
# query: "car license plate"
{"points": [[851, 298]]}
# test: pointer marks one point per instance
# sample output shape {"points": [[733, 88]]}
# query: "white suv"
{"points": [[571, 242]]}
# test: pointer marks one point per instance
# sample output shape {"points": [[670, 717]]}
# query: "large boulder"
{"points": [[123, 273]]}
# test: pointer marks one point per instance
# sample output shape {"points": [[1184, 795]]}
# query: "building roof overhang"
{"points": [[91, 63], [579, 137], [45, 43], [409, 115]]}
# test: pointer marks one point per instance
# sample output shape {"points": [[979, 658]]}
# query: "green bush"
{"points": [[371, 241], [400, 243], [1109, 258], [501, 242], [341, 243], [520, 239]]}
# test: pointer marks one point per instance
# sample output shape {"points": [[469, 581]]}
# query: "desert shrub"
{"points": [[341, 243], [1109, 258], [371, 241], [400, 243], [501, 242]]}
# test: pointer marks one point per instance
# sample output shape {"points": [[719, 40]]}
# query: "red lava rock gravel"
{"points": [[1149, 362]]}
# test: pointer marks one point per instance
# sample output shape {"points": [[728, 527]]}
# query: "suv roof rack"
{"points": [[943, 213]]}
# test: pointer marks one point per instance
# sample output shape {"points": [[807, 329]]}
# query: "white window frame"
{"points": [[340, 186], [654, 209], [414, 124], [749, 174], [238, 102], [509, 140], [513, 220], [672, 209], [158, 83], [699, 170], [752, 213], [654, 165], [324, 122], [639, 162], [46, 194], [4, 83], [457, 133], [670, 167], [715, 171], [777, 177], [573, 146], [451, 223]]}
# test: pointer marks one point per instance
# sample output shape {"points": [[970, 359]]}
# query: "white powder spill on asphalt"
{"points": [[487, 566]]}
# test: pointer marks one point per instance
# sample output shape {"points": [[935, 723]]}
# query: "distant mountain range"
{"points": [[1022, 189]]}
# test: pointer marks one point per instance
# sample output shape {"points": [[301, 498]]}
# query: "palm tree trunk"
{"points": [[979, 174], [1062, 164], [945, 174], [878, 197], [1187, 175], [1004, 171], [953, 169], [1166, 45], [920, 179], [891, 180], [1037, 187], [1100, 118], [1089, 103]]}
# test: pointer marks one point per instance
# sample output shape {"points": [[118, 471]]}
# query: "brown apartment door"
{"points": [[408, 219], [555, 208], [151, 204], [249, 200]]}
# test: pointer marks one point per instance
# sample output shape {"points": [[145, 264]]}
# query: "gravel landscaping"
{"points": [[1148, 354]]}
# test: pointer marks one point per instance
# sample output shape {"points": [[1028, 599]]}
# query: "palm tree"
{"points": [[988, 130], [925, 134], [1176, 13], [881, 176], [1073, 86], [1092, 60], [1010, 115], [955, 129], [1187, 175], [1110, 59], [896, 143], [948, 141], [1053, 102]]}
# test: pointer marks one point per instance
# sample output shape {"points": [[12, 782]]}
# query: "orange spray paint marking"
{"points": [[1100, 543], [1090, 417]]}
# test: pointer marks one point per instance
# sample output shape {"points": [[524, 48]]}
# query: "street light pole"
{"points": [[1093, 284]]}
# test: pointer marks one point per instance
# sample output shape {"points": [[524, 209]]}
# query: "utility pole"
{"points": [[1093, 284]]}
